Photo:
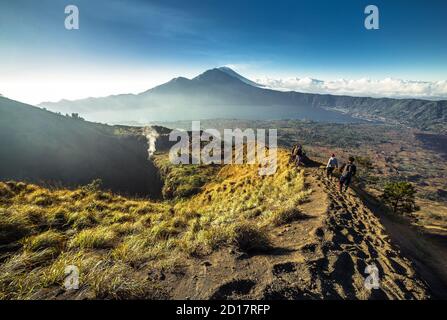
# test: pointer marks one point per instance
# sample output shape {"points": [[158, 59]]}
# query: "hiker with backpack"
{"points": [[348, 171], [332, 164], [299, 156]]}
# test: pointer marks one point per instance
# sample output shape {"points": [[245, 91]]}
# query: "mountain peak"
{"points": [[224, 74], [213, 75], [233, 73]]}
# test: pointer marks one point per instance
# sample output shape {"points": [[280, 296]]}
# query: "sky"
{"points": [[131, 46]]}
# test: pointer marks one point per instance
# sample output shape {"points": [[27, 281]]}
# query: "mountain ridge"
{"points": [[221, 92]]}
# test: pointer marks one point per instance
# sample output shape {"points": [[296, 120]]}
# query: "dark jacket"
{"points": [[349, 170]]}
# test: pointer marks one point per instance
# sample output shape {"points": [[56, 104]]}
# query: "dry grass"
{"points": [[112, 239], [286, 215], [46, 240], [98, 238], [250, 238]]}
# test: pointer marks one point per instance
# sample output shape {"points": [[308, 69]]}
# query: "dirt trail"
{"points": [[427, 253], [359, 236], [323, 256]]}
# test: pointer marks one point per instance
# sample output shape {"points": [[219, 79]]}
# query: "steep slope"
{"points": [[286, 236], [321, 256], [40, 146], [223, 93]]}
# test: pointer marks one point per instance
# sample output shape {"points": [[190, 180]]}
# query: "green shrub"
{"points": [[400, 197]]}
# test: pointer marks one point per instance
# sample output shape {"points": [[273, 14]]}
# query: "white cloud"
{"points": [[389, 87]]}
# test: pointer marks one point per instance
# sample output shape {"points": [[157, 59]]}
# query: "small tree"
{"points": [[400, 196]]}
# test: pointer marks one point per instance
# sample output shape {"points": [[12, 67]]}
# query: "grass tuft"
{"points": [[286, 215], [97, 238], [249, 238], [13, 227], [47, 240]]}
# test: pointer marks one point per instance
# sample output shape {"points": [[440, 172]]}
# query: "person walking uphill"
{"points": [[348, 172], [331, 165]]}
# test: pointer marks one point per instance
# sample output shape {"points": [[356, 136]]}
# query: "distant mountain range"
{"points": [[223, 93]]}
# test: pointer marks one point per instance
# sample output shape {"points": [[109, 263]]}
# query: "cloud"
{"points": [[389, 87]]}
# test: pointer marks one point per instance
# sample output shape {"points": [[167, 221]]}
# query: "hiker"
{"points": [[293, 154], [296, 157], [348, 171], [331, 165], [299, 156]]}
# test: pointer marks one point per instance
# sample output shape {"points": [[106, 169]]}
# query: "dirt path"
{"points": [[354, 238], [427, 253], [321, 257]]}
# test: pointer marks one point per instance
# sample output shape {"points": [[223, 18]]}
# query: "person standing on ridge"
{"points": [[331, 165], [293, 154], [299, 156], [348, 172]]}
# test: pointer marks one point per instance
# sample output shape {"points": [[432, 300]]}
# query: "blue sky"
{"points": [[129, 46]]}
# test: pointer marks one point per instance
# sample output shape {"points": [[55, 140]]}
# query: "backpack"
{"points": [[349, 170]]}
